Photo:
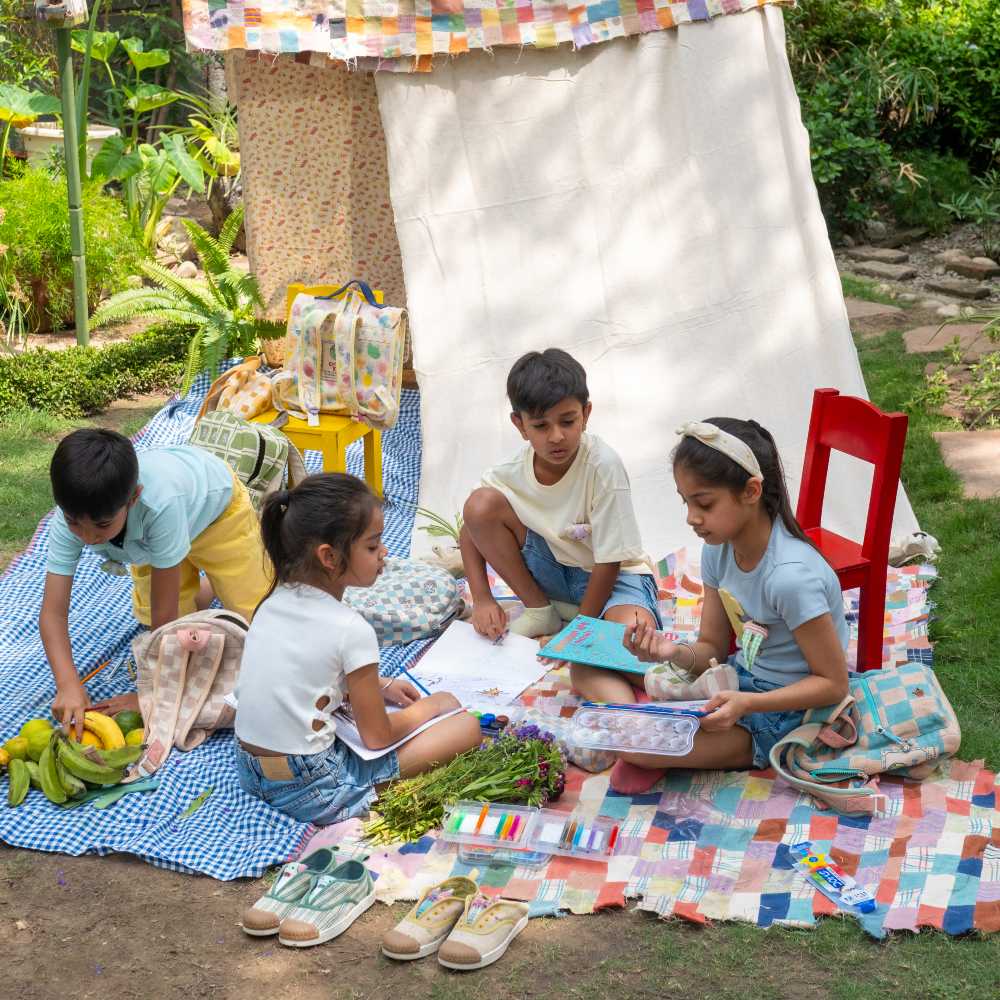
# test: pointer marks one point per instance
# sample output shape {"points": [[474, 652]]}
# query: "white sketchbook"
{"points": [[347, 731], [481, 675]]}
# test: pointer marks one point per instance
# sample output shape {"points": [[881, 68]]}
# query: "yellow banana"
{"points": [[48, 775], [105, 729], [74, 758], [18, 783]]}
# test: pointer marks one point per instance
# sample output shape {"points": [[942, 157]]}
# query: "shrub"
{"points": [[938, 177], [82, 380], [37, 259]]}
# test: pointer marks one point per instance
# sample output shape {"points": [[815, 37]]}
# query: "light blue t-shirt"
{"points": [[184, 489], [791, 585]]}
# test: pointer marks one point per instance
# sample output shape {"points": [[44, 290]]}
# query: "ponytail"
{"points": [[717, 469]]}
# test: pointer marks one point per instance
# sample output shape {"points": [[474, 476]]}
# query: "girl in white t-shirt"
{"points": [[307, 653]]}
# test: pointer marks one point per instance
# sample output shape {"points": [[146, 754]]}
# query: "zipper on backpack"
{"points": [[836, 773], [879, 728], [261, 446]]}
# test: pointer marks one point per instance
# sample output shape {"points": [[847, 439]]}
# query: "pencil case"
{"points": [[488, 824], [649, 728], [573, 836], [498, 857]]}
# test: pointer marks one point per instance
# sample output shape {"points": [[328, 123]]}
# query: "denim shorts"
{"points": [[765, 728], [329, 787], [569, 583]]}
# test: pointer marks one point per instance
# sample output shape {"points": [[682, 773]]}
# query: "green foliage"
{"points": [[440, 527], [26, 56], [36, 264], [981, 207], [222, 308], [81, 380], [936, 177]]}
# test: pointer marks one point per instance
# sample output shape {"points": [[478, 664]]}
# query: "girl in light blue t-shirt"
{"points": [[765, 581]]}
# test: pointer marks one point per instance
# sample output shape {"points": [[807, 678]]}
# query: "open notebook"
{"points": [[348, 731]]}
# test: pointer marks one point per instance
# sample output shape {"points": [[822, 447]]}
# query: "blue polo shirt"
{"points": [[184, 489]]}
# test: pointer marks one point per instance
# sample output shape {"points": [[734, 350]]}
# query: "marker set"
{"points": [[650, 728], [528, 829]]}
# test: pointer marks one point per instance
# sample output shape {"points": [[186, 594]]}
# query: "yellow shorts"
{"points": [[231, 553]]}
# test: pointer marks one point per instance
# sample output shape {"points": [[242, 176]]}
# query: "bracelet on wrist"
{"points": [[694, 656], [388, 681]]}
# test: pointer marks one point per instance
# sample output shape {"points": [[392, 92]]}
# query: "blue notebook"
{"points": [[596, 643]]}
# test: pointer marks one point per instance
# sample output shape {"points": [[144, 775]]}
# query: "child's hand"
{"points": [[725, 709], [646, 644], [401, 693], [440, 702], [68, 707], [489, 619]]}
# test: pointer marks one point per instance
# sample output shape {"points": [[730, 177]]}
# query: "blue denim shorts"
{"points": [[329, 787], [569, 583], [765, 728]]}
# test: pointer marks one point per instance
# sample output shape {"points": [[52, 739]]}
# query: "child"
{"points": [[169, 512], [763, 578], [557, 522], [307, 653]]}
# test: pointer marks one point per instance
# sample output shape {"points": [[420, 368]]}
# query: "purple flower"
{"points": [[523, 781]]}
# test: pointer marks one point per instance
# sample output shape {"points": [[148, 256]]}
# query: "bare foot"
{"points": [[120, 703], [628, 779]]}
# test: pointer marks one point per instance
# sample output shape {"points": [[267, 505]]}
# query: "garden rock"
{"points": [[960, 287], [859, 309], [884, 255], [901, 237], [889, 272], [185, 269], [949, 311], [975, 457], [938, 337], [979, 268]]}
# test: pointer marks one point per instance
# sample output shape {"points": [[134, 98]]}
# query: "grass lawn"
{"points": [[633, 956]]}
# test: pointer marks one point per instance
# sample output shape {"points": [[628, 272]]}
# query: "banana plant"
{"points": [[21, 107]]}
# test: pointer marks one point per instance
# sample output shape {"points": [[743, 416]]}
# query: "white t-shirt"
{"points": [[301, 646], [587, 517]]}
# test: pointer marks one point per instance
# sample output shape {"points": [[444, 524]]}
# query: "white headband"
{"points": [[715, 437]]}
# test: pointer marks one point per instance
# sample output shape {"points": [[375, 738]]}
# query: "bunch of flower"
{"points": [[522, 765]]}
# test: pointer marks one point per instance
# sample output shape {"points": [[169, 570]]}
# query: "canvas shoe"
{"points": [[337, 898], [294, 880], [483, 932], [429, 922]]}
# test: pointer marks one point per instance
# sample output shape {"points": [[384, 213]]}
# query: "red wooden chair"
{"points": [[856, 427]]}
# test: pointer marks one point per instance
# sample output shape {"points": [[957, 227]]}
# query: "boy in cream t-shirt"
{"points": [[556, 522]]}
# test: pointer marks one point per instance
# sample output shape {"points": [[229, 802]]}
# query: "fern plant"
{"points": [[221, 308]]}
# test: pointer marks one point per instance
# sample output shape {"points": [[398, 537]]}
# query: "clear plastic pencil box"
{"points": [[657, 728]]}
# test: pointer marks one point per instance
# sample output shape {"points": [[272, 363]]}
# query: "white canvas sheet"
{"points": [[646, 204]]}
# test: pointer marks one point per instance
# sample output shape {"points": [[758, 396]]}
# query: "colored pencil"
{"points": [[482, 818], [515, 827], [613, 839], [416, 683], [94, 672]]}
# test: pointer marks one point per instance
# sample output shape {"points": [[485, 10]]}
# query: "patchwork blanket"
{"points": [[231, 834]]}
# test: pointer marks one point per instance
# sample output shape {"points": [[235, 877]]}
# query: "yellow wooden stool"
{"points": [[335, 432], [331, 438]]}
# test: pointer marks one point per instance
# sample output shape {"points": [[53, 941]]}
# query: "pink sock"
{"points": [[628, 779]]}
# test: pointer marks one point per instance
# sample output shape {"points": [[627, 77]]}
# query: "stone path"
{"points": [[930, 339], [975, 457]]}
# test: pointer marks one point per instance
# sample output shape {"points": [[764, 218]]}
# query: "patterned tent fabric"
{"points": [[405, 35]]}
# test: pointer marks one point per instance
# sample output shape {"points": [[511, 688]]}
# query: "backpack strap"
{"points": [[160, 701], [296, 466], [202, 668]]}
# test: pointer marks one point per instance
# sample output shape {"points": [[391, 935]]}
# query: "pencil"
{"points": [[482, 818], [94, 672], [613, 839], [416, 683]]}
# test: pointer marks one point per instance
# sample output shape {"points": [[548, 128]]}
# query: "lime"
{"points": [[128, 720], [37, 742], [135, 737], [36, 726], [17, 748]]}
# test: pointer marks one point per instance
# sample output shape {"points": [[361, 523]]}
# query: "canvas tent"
{"points": [[641, 196]]}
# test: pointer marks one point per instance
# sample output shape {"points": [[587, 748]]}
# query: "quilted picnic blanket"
{"points": [[231, 834], [714, 845], [403, 36]]}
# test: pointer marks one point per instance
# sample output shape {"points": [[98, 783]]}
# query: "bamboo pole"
{"points": [[64, 55]]}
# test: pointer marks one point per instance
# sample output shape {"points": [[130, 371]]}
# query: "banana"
{"points": [[124, 757], [36, 781], [85, 767], [72, 785], [48, 774], [18, 782], [105, 729]]}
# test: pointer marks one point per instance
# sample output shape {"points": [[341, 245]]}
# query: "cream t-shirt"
{"points": [[587, 517], [301, 646]]}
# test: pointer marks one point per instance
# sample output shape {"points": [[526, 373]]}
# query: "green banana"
{"points": [[36, 781], [84, 768], [123, 757], [48, 774], [17, 776], [72, 785]]}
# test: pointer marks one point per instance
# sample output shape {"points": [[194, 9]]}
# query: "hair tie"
{"points": [[281, 498], [729, 444]]}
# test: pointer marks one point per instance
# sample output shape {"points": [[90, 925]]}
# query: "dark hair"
{"points": [[94, 473], [540, 380], [717, 469], [331, 508]]}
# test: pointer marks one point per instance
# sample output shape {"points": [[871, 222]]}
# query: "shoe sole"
{"points": [[256, 933], [425, 950], [491, 956], [337, 929]]}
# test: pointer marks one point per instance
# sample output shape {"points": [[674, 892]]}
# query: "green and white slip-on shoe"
{"points": [[293, 882], [430, 921], [336, 899]]}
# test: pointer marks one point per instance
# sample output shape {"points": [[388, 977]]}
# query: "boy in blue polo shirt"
{"points": [[168, 513]]}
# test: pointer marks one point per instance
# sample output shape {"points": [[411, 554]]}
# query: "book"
{"points": [[595, 642], [347, 731]]}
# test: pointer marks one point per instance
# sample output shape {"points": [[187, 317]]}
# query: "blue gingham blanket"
{"points": [[231, 835]]}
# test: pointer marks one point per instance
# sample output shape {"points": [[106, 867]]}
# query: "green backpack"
{"points": [[259, 454]]}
